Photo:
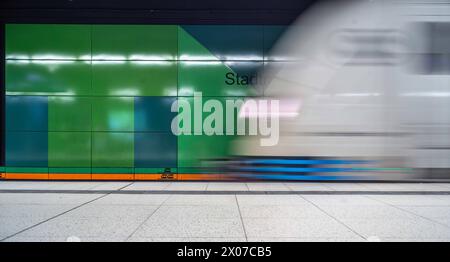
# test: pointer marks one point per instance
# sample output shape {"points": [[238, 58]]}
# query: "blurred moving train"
{"points": [[369, 82]]}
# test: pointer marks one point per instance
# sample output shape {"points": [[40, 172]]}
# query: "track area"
{"points": [[213, 211]]}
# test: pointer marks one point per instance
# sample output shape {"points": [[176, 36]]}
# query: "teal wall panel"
{"points": [[155, 150], [26, 149], [153, 114], [227, 42], [26, 113]]}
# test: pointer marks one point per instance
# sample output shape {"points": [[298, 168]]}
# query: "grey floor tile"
{"points": [[365, 212], [13, 225], [189, 227], [265, 186], [36, 239], [311, 239], [201, 200], [278, 200], [307, 187], [121, 212], [346, 186], [32, 210], [227, 186], [294, 211], [188, 186], [110, 186], [200, 212], [135, 199], [67, 226], [398, 228], [46, 198], [412, 200], [341, 200], [148, 186], [429, 211], [296, 228]]}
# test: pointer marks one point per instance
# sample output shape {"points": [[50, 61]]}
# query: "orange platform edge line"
{"points": [[119, 177]]}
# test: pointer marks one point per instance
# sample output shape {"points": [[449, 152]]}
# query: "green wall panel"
{"points": [[134, 78], [76, 153], [47, 41], [47, 77], [112, 149], [109, 88], [69, 113], [134, 42], [194, 150], [113, 114]]}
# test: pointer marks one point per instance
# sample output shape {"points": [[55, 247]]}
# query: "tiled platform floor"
{"points": [[171, 216]]}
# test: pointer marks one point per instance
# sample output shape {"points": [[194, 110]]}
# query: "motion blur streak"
{"points": [[373, 79]]}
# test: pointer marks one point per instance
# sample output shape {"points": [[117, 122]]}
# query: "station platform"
{"points": [[223, 211]]}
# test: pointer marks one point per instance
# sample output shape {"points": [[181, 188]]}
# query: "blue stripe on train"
{"points": [[303, 161]]}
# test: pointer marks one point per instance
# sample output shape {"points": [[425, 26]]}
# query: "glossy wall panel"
{"points": [[46, 41], [153, 114], [113, 114], [69, 113], [48, 77], [155, 150], [77, 153], [217, 78], [134, 78], [98, 98], [26, 113], [134, 42], [26, 149], [225, 42], [112, 149]]}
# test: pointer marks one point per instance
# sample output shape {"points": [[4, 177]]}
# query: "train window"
{"points": [[434, 58]]}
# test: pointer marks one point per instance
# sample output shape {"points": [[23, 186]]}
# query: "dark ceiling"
{"points": [[153, 11]]}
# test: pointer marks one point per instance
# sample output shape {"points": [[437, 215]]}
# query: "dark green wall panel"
{"points": [[47, 77], [62, 153], [46, 41]]}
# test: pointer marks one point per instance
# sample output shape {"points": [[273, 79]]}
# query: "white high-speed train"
{"points": [[370, 81]]}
